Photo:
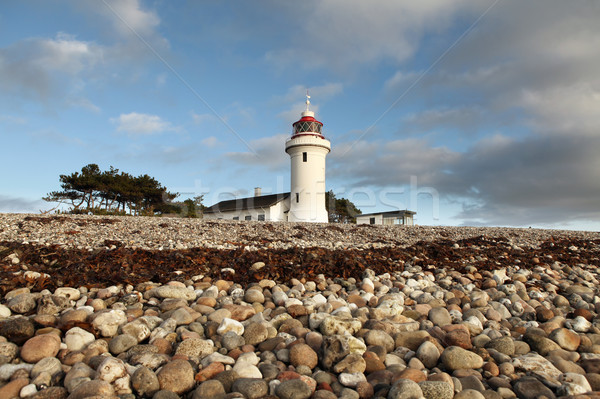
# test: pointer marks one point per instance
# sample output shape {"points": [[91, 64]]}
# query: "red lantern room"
{"points": [[307, 125]]}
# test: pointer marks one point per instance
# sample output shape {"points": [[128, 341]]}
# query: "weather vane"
{"points": [[307, 99]]}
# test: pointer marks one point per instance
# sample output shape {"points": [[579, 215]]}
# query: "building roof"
{"points": [[240, 204], [389, 213]]}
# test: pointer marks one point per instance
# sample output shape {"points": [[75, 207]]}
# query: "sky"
{"points": [[469, 112]]}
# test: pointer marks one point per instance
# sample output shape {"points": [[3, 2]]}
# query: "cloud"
{"points": [[466, 119], [268, 152], [128, 15], [534, 180], [10, 204], [344, 34], [530, 94], [38, 68], [210, 142], [142, 124], [129, 20], [499, 180], [389, 163], [13, 120], [57, 71], [564, 110], [84, 103], [296, 98]]}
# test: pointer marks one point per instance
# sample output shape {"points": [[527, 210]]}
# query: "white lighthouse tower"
{"points": [[307, 149]]}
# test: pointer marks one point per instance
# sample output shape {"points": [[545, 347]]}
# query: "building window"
{"points": [[249, 217], [371, 220], [304, 157], [236, 218], [297, 197], [261, 217]]}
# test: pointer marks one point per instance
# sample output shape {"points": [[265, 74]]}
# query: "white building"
{"points": [[307, 148], [387, 218], [273, 207]]}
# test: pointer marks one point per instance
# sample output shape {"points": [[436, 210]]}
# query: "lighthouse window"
{"points": [[304, 156], [297, 197], [305, 127]]}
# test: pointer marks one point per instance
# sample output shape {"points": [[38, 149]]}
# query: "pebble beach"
{"points": [[137, 307]]}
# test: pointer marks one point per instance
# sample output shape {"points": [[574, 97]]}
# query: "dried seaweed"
{"points": [[118, 264]]}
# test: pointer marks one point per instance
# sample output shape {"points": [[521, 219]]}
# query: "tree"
{"points": [[341, 210], [111, 192], [191, 206], [79, 188]]}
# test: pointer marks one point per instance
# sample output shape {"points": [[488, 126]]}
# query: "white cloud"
{"points": [[14, 120], [141, 124], [499, 180], [21, 205], [266, 152], [210, 142], [38, 67], [85, 103], [466, 119], [202, 118], [130, 16], [296, 97], [323, 92], [385, 163], [343, 34], [572, 110], [66, 54], [127, 19]]}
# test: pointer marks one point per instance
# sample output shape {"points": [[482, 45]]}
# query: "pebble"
{"points": [[144, 382], [195, 347], [302, 354], [293, 389], [456, 358], [436, 390], [405, 389], [566, 339], [176, 376], [428, 354], [209, 389], [17, 329], [77, 339], [39, 347], [251, 388], [415, 332]]}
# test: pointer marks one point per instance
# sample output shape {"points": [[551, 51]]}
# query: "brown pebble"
{"points": [[39, 347], [297, 311], [209, 371], [364, 390], [586, 314], [207, 301], [357, 300], [12, 389], [412, 374], [164, 346], [491, 368], [287, 375], [303, 354], [373, 363], [543, 314], [458, 337]]}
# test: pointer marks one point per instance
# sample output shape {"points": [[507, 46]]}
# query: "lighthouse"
{"points": [[307, 149]]}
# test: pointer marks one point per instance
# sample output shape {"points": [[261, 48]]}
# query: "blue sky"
{"points": [[470, 112]]}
